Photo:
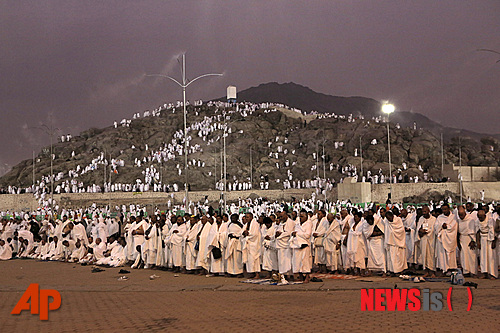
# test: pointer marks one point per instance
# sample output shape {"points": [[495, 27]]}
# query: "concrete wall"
{"points": [[24, 202], [356, 192], [378, 193], [401, 190], [473, 189], [472, 173], [17, 202]]}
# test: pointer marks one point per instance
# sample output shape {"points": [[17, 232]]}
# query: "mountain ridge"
{"points": [[304, 98]]}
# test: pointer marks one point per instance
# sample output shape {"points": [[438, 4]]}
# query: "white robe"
{"points": [[446, 242], [425, 245], [410, 223], [178, 240], [283, 246], [489, 258], [234, 247], [302, 257], [348, 220], [150, 246], [129, 238], [467, 229], [190, 252], [216, 238], [5, 252], [395, 245], [202, 260], [331, 239], [270, 255], [252, 247], [356, 246], [80, 233], [319, 249], [375, 246]]}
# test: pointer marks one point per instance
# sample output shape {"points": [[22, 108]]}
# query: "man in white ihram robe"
{"points": [[395, 243], [282, 234], [301, 245], [270, 253], [373, 230], [177, 240], [202, 260], [150, 245], [234, 247], [467, 230], [331, 243], [190, 251], [446, 240], [252, 245], [425, 241], [216, 238], [345, 220], [409, 222], [488, 257], [318, 236], [356, 245]]}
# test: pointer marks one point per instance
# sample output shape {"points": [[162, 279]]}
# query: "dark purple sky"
{"points": [[81, 63]]}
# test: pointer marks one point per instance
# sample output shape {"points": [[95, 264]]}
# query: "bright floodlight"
{"points": [[388, 108]]}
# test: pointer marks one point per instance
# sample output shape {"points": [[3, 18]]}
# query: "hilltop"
{"points": [[304, 98], [257, 133]]}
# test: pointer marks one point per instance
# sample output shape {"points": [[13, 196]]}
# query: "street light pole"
{"points": [[388, 109], [33, 171], [442, 156], [361, 156], [50, 132], [251, 167], [225, 163], [460, 173], [185, 83], [225, 155], [51, 176]]}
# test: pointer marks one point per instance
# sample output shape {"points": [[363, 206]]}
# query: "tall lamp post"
{"points": [[185, 83], [50, 132], [388, 108], [361, 155], [224, 147]]}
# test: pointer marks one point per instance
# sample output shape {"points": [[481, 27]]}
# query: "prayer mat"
{"points": [[269, 282], [335, 276], [372, 279], [436, 279]]}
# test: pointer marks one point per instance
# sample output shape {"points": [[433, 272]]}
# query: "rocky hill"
{"points": [[262, 140], [304, 98]]}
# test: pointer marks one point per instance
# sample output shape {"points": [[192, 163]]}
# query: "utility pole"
{"points": [[251, 168], [50, 132], [104, 164], [185, 83], [324, 166], [215, 168], [361, 155], [225, 163], [460, 173], [442, 156], [33, 171]]}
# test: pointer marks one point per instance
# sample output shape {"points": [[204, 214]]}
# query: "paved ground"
{"points": [[99, 302]]}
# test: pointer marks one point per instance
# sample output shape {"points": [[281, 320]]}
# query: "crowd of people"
{"points": [[203, 133], [262, 238]]}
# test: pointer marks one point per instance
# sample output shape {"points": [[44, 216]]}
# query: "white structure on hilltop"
{"points": [[231, 94]]}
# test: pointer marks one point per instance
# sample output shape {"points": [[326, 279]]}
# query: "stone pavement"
{"points": [[93, 302]]}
